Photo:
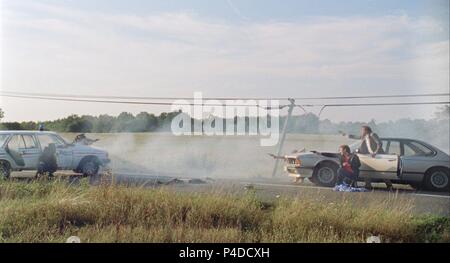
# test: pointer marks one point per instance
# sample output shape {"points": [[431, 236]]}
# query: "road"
{"points": [[423, 202]]}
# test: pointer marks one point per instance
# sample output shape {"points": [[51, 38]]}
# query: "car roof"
{"points": [[400, 139], [412, 140], [26, 132]]}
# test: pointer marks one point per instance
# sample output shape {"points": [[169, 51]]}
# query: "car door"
{"points": [[64, 154], [30, 152], [14, 149], [382, 166], [416, 159]]}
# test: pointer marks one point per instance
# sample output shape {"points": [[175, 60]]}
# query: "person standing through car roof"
{"points": [[370, 144]]}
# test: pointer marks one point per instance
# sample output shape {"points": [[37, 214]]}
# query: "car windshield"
{"points": [[60, 139], [46, 139], [3, 138]]}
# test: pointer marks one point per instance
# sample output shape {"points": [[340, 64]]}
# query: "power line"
{"points": [[383, 104], [212, 104], [220, 98], [378, 96], [128, 102]]}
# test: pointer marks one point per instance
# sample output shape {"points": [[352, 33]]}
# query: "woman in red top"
{"points": [[349, 165]]}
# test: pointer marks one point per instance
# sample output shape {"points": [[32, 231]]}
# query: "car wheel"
{"points": [[5, 170], [326, 175], [312, 179], [437, 179], [90, 167]]}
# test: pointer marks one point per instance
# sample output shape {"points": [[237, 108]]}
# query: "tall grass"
{"points": [[52, 211]]}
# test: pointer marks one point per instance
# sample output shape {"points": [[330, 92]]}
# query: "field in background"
{"points": [[199, 156], [52, 211]]}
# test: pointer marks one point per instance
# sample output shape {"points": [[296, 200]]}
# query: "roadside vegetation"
{"points": [[430, 130], [44, 211]]}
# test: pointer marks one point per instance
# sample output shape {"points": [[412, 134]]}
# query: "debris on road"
{"points": [[347, 188], [196, 181]]}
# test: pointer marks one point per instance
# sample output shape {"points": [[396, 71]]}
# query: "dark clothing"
{"points": [[344, 173], [345, 176], [374, 144], [354, 163], [346, 164], [47, 161], [46, 168]]}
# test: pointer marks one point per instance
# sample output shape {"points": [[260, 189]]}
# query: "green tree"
{"points": [[124, 122], [74, 123], [104, 123], [144, 122]]}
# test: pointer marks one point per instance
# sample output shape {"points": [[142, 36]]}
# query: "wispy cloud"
{"points": [[236, 10], [181, 52]]}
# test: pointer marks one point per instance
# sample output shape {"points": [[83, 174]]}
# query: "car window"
{"points": [[30, 142], [3, 138], [59, 139], [46, 139], [16, 143], [427, 151], [393, 148], [416, 149], [384, 144], [409, 151]]}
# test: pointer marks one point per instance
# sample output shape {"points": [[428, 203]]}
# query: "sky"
{"points": [[228, 48]]}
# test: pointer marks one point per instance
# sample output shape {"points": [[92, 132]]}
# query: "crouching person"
{"points": [[349, 170], [47, 161]]}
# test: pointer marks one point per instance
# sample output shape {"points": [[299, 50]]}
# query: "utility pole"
{"points": [[283, 136]]}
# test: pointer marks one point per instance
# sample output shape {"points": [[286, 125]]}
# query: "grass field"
{"points": [[45, 211]]}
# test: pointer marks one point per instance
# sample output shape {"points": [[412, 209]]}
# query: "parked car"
{"points": [[405, 161], [20, 150]]}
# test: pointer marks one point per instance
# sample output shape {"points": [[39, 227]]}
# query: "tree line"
{"points": [[124, 122], [433, 130]]}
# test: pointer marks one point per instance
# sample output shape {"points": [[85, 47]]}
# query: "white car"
{"points": [[20, 150], [405, 161]]}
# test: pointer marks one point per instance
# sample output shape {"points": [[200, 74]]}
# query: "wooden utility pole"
{"points": [[283, 136]]}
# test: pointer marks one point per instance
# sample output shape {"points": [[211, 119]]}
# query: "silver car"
{"points": [[405, 161], [20, 150]]}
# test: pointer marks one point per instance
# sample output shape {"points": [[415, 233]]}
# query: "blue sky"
{"points": [[223, 48], [263, 9]]}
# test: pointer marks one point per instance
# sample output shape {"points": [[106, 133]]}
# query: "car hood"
{"points": [[86, 149], [313, 154]]}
